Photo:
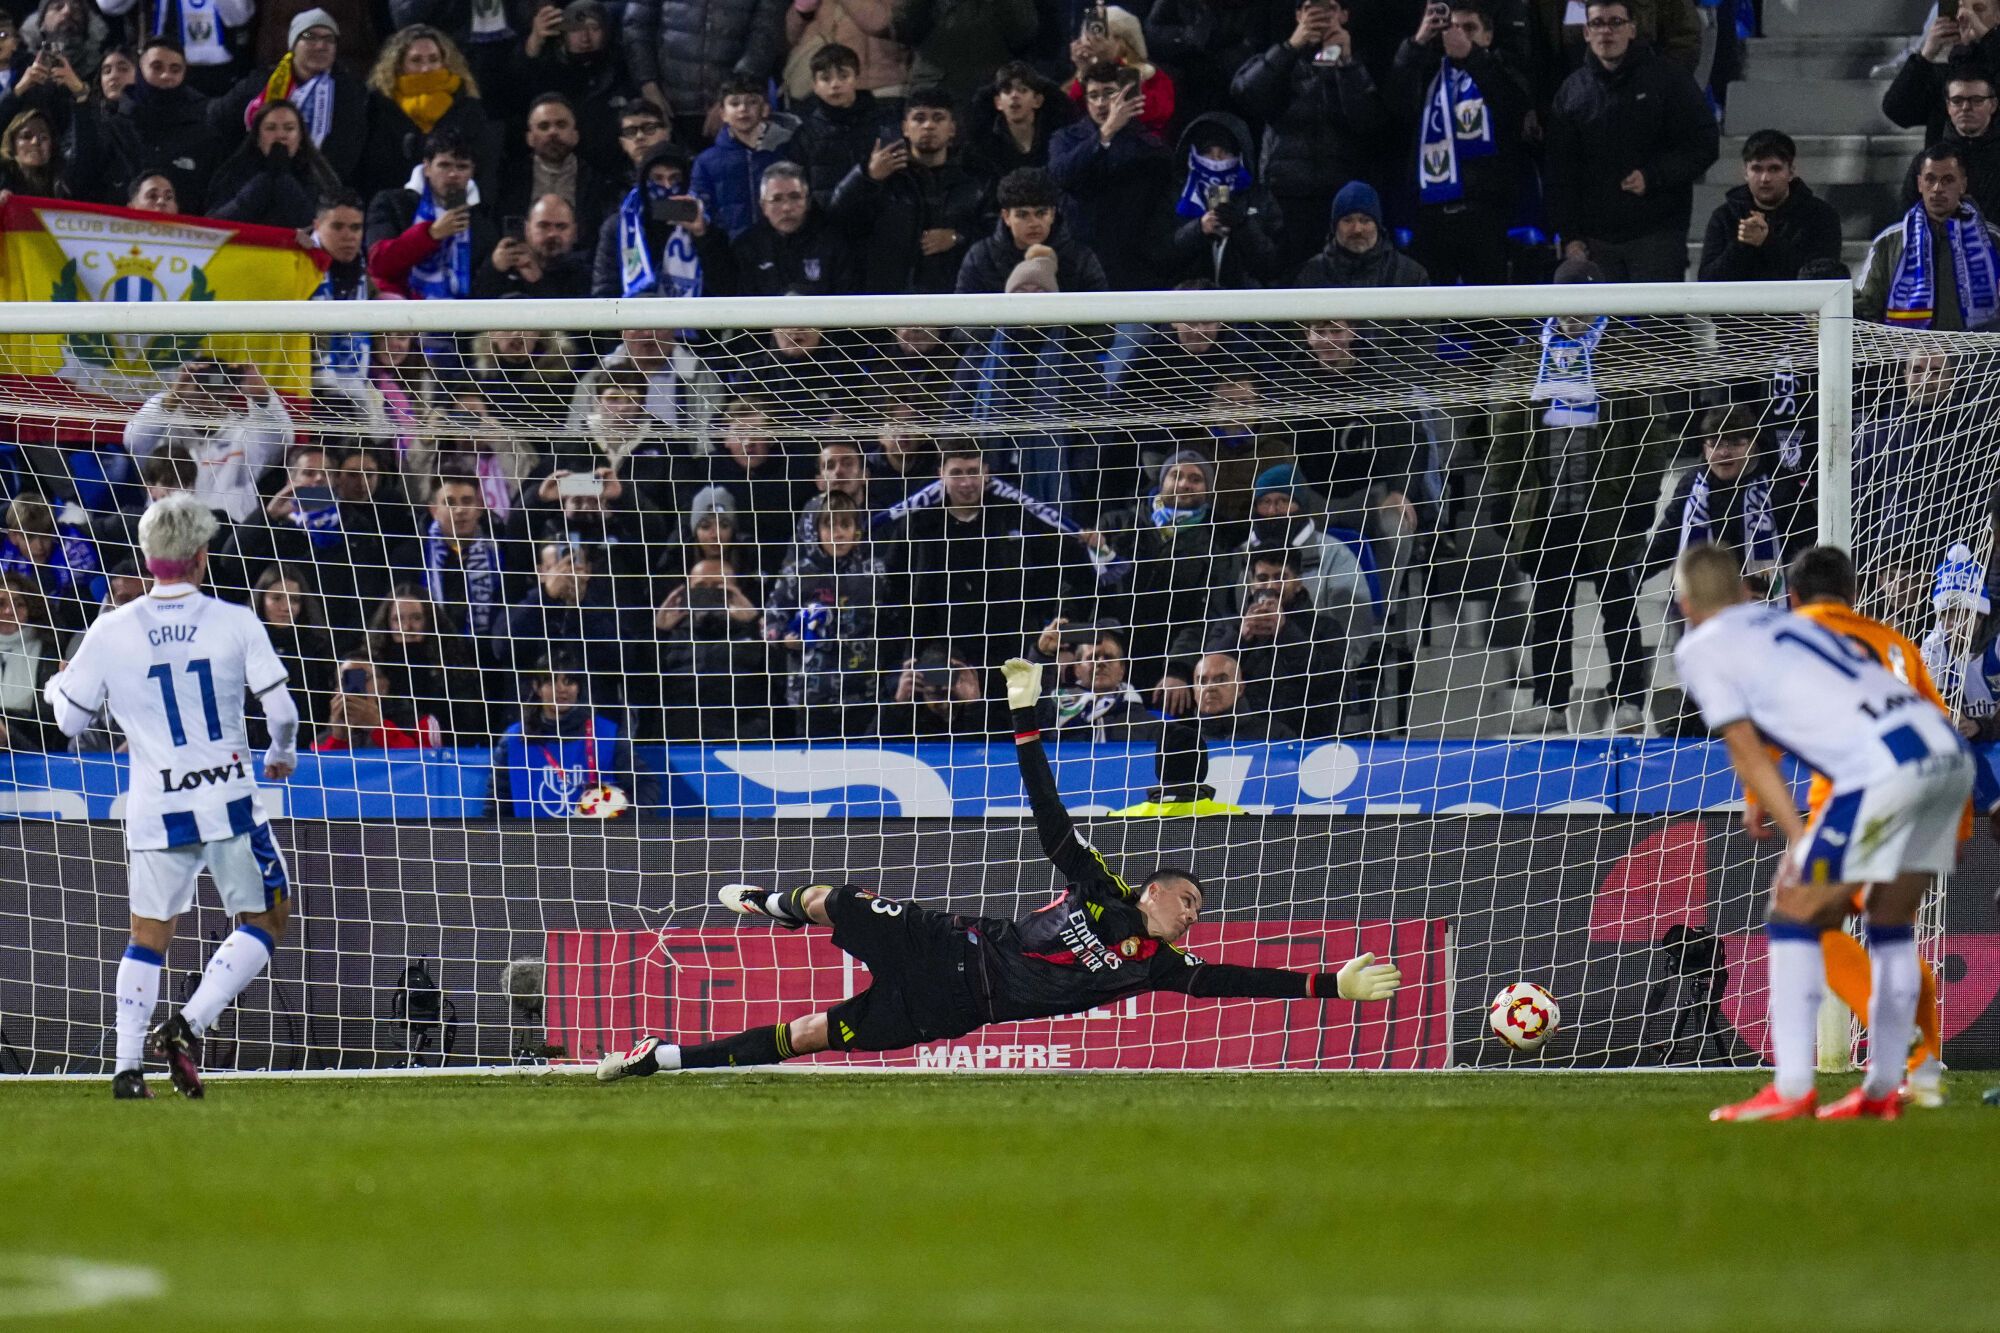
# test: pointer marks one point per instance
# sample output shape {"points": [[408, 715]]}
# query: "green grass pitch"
{"points": [[938, 1202]]}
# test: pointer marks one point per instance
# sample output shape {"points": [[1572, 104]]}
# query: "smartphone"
{"points": [[1075, 636], [313, 497], [1440, 11], [354, 680], [515, 228], [1096, 23], [451, 199], [1947, 9], [579, 483], [1330, 54], [677, 211], [214, 377]]}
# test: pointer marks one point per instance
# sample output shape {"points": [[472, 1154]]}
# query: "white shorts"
{"points": [[1905, 822], [248, 870]]}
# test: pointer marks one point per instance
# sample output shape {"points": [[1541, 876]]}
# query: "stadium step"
{"points": [[1862, 18], [1817, 57], [1829, 106], [1831, 159]]}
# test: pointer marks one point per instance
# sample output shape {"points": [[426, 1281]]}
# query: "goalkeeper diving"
{"points": [[938, 976]]}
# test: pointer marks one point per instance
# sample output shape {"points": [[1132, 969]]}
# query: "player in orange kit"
{"points": [[1822, 587]]}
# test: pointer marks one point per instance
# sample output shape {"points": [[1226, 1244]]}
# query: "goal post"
{"points": [[1379, 572]]}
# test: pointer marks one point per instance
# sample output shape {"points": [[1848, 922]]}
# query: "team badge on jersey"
{"points": [[1130, 947]]}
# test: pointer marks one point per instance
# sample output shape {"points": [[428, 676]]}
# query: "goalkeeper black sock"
{"points": [[787, 906], [758, 1046]]}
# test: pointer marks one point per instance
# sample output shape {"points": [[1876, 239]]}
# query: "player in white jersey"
{"points": [[176, 666], [1901, 775]]}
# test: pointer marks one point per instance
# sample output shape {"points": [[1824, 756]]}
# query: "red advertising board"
{"points": [[607, 988]]}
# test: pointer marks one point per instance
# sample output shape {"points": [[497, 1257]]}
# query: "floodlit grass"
{"points": [[769, 1201]]}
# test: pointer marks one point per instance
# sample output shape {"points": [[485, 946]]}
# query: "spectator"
{"points": [[569, 608], [276, 178], [169, 471], [27, 660], [341, 360], [608, 528], [794, 249], [436, 668], [163, 125], [47, 82], [153, 192], [915, 206], [366, 477], [1027, 111], [574, 54], [333, 102], [1229, 223], [841, 471], [1338, 620], [957, 41], [1939, 267], [714, 667], [1359, 251], [284, 601], [1962, 42], [305, 526], [562, 749], [462, 567], [902, 460], [542, 262], [1727, 500], [524, 377], [372, 711], [682, 51], [1094, 701], [231, 422], [1168, 544], [1561, 35], [555, 166], [1468, 103], [1628, 136], [402, 378], [1122, 43], [53, 556], [1028, 199], [621, 446], [866, 31], [32, 162], [752, 137], [762, 478], [1116, 179], [680, 390], [938, 697], [118, 71], [1324, 121], [824, 612], [211, 46], [1906, 487], [1969, 124], [1205, 43], [1772, 225], [838, 122], [424, 92], [640, 252], [424, 238], [1222, 710]]}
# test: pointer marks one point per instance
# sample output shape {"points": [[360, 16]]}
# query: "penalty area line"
{"points": [[37, 1286]]}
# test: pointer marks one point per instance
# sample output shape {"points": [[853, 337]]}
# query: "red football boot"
{"points": [[1858, 1105], [1768, 1105]]}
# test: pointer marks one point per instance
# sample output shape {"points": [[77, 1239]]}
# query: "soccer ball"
{"points": [[1524, 1016], [603, 801]]}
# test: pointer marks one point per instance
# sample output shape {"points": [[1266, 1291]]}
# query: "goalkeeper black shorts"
{"points": [[920, 964]]}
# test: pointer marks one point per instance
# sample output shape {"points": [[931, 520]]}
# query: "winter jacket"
{"points": [[813, 259], [989, 263], [346, 138], [250, 187], [1670, 27], [596, 194], [1205, 43], [727, 174], [397, 242], [596, 86], [1382, 266], [1916, 96], [1247, 255], [1803, 228], [1885, 256], [832, 606], [1165, 593], [1117, 197], [888, 217], [959, 43], [688, 47], [170, 131], [1323, 126], [607, 267], [865, 27], [829, 142], [1646, 115], [988, 144], [395, 144], [1492, 182]]}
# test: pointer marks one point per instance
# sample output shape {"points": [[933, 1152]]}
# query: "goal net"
{"points": [[595, 613]]}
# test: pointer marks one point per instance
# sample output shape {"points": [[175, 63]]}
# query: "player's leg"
{"points": [[1848, 969], [767, 1045], [1897, 981], [790, 908], [160, 883]]}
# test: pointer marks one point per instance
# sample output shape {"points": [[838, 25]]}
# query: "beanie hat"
{"points": [[1358, 197], [712, 500], [1277, 477], [1187, 456], [1038, 267], [303, 23], [1960, 581], [1578, 270], [577, 12]]}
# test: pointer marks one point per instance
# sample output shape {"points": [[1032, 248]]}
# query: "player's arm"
{"points": [[75, 694], [1061, 843], [1763, 784], [268, 680], [1361, 979]]}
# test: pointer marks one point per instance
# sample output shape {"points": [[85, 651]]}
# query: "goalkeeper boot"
{"points": [[1769, 1104], [175, 1042], [129, 1085], [749, 900], [1924, 1088], [1858, 1105], [635, 1063]]}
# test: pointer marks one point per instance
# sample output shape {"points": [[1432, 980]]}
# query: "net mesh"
{"points": [[586, 623]]}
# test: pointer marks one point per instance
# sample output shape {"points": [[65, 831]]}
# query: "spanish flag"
{"points": [[61, 250]]}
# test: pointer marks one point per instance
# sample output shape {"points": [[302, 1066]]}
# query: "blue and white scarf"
{"points": [[479, 559], [314, 99], [344, 356], [1975, 265], [1110, 566], [1456, 124], [199, 27], [1206, 172], [321, 523], [639, 274], [1565, 378], [448, 271], [1760, 526], [1165, 515]]}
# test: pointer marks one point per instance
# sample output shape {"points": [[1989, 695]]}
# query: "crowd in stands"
{"points": [[536, 534]]}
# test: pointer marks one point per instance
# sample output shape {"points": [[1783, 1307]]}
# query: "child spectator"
{"points": [[425, 237], [1116, 178], [824, 610], [838, 121], [1028, 198], [1026, 111], [561, 749], [52, 555], [1726, 501], [864, 29], [726, 174]]}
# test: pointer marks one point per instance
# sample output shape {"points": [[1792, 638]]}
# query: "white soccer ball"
{"points": [[1524, 1016], [603, 801]]}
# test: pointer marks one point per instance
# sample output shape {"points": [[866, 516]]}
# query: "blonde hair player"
{"points": [[1900, 776], [175, 666]]}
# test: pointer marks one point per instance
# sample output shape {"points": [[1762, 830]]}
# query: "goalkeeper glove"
{"points": [[1365, 979], [1024, 682]]}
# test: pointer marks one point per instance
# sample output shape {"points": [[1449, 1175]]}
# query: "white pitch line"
{"points": [[36, 1286]]}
